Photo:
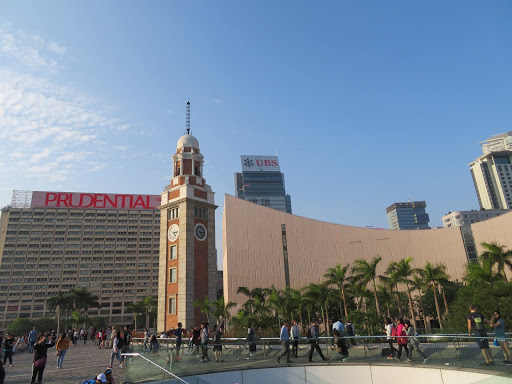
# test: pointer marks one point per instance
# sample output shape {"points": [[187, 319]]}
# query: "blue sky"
{"points": [[367, 103]]}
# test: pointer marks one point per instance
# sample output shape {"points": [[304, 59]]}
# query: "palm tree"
{"points": [[275, 302], [367, 271], [82, 298], [136, 308], [58, 303], [256, 299], [221, 311], [205, 306], [338, 277], [79, 319], [148, 303], [433, 275], [404, 272], [385, 292], [321, 294], [481, 273], [498, 256], [418, 284], [298, 299], [394, 278]]}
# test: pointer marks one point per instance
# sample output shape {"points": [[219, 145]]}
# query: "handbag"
{"points": [[496, 344], [40, 362]]}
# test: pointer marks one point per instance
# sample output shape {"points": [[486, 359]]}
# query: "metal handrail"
{"points": [[162, 369]]}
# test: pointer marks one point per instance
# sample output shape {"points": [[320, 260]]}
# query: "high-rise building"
{"points": [[188, 258], [52, 242], [460, 218], [410, 215], [262, 182], [492, 176], [497, 143]]}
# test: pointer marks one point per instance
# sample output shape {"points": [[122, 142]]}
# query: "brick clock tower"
{"points": [[188, 258]]}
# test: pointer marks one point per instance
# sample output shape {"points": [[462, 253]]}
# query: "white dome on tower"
{"points": [[188, 141]]}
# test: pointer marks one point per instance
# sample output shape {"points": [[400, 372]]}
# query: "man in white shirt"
{"points": [[285, 340], [295, 339]]}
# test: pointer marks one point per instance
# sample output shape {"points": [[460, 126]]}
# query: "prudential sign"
{"points": [[259, 163]]}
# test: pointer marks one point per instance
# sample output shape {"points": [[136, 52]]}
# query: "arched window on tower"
{"points": [[178, 169], [197, 170]]}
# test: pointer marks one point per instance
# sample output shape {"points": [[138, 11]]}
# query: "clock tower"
{"points": [[188, 259]]}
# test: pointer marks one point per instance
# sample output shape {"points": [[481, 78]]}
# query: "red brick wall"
{"points": [[200, 194], [201, 271], [171, 289]]}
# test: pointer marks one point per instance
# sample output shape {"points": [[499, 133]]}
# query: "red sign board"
{"points": [[94, 200]]}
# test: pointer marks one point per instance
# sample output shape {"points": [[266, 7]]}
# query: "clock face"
{"points": [[173, 233], [200, 232]]}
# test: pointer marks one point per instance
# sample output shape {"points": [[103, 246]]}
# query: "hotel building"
{"points": [[57, 241], [409, 215]]}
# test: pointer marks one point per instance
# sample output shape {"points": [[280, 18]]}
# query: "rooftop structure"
{"points": [[497, 143], [409, 215]]}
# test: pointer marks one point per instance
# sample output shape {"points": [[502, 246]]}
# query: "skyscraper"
{"points": [[492, 173], [262, 182], [410, 215]]}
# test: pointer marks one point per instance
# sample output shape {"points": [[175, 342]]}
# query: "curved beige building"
{"points": [[265, 247]]}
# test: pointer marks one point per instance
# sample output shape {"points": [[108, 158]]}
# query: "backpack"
{"points": [[120, 343], [348, 329], [309, 335]]}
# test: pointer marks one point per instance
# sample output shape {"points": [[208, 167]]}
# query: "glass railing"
{"points": [[169, 363]]}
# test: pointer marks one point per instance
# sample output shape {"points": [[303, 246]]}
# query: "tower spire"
{"points": [[188, 117]]}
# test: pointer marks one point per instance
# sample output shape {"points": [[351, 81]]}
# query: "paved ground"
{"points": [[80, 363]]}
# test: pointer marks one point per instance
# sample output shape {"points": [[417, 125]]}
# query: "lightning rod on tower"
{"points": [[188, 117]]}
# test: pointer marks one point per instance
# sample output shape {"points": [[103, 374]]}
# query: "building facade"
{"points": [[107, 243], [492, 176], [188, 258], [262, 182], [264, 247], [460, 218], [497, 143], [410, 215]]}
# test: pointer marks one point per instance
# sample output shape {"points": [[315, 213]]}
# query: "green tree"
{"points": [[20, 327], [497, 255], [45, 324], [137, 309], [417, 283], [221, 311], [148, 303], [338, 277], [98, 322], [404, 273], [83, 299], [434, 275], [321, 294], [80, 319], [205, 306], [365, 272], [59, 303], [275, 302]]}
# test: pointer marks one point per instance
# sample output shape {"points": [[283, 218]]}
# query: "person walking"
{"points": [[414, 342], [390, 333], [341, 346], [251, 339], [313, 336], [350, 332], [295, 331], [85, 336], [8, 348], [285, 341], [476, 321], [402, 339], [40, 356], [147, 336], [154, 345], [205, 337], [190, 348], [197, 339], [32, 339], [115, 353], [178, 332], [217, 344], [499, 333], [62, 347]]}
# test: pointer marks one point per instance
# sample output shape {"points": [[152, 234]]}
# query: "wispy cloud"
{"points": [[217, 101], [49, 132]]}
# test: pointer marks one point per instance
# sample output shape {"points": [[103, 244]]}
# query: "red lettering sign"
{"points": [[94, 200]]}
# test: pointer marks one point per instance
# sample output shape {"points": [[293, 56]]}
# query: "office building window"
{"points": [[173, 275], [173, 252]]}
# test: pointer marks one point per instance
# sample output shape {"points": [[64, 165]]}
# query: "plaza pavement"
{"points": [[81, 362]]}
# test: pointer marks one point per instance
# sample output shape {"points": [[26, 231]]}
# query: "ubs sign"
{"points": [[259, 163]]}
